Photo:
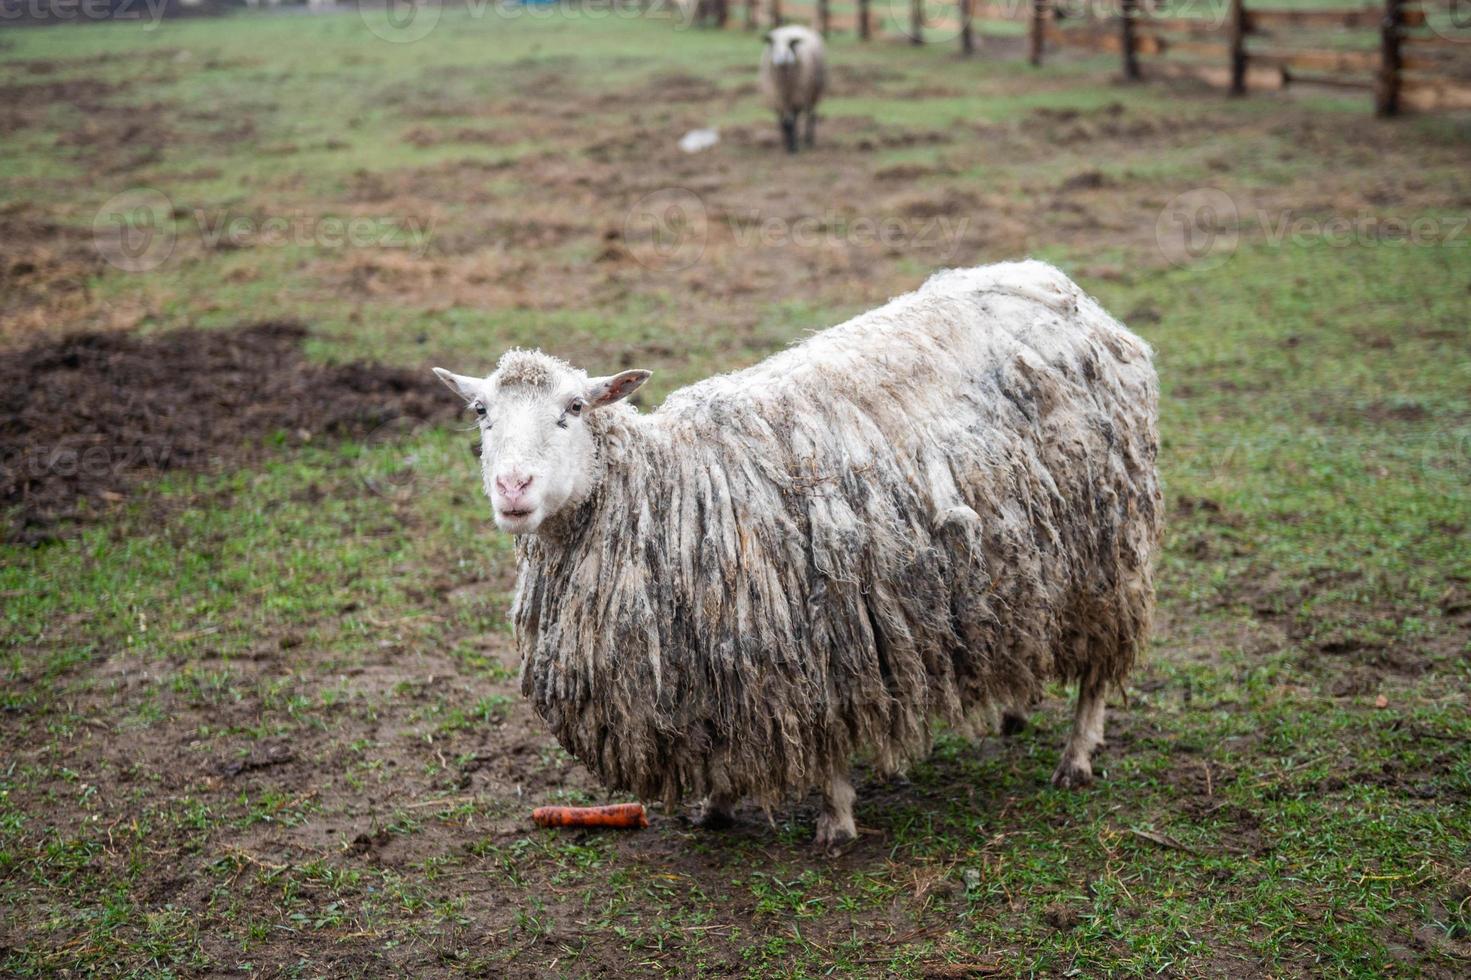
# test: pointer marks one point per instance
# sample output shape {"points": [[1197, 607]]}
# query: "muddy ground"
{"points": [[84, 419]]}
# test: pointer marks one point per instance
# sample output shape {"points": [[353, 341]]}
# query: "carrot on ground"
{"points": [[618, 816]]}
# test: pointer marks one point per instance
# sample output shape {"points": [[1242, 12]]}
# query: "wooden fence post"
{"points": [[722, 12], [1238, 47], [824, 17], [864, 32], [1386, 95], [775, 13], [916, 21], [1128, 12], [751, 14], [967, 39], [1039, 27]]}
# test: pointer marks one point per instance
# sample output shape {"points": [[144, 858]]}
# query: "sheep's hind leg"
{"points": [[810, 136], [1075, 769], [789, 131], [835, 825]]}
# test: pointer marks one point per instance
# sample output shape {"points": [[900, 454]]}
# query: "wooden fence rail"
{"points": [[1435, 74]]}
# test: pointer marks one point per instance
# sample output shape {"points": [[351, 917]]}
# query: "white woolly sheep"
{"points": [[922, 514], [793, 73]]}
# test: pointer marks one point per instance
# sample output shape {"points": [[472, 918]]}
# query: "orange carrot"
{"points": [[619, 816]]}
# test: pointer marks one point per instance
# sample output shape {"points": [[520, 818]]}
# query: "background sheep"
{"points": [[793, 72], [923, 513]]}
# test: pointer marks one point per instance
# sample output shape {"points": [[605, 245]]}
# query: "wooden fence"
{"points": [[1389, 49]]}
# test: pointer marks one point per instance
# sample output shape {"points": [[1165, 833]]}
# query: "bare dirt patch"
{"points": [[28, 105], [117, 141], [44, 270], [427, 136], [87, 416]]}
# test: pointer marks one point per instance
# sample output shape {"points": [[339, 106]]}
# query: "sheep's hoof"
{"points": [[1013, 724], [833, 833], [1071, 774], [713, 817]]}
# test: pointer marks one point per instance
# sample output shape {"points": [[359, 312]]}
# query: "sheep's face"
{"points": [[539, 450], [781, 49]]}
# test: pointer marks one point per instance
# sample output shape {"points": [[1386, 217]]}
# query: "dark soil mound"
{"points": [[83, 418]]}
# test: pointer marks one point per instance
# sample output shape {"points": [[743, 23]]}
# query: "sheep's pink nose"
{"points": [[512, 486]]}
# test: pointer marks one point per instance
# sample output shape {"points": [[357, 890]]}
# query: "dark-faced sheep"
{"points": [[920, 515], [793, 73]]}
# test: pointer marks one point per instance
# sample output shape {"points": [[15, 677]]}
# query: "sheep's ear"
{"points": [[606, 391], [768, 38], [466, 387]]}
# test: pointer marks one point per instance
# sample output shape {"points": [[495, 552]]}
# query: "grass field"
{"points": [[259, 712]]}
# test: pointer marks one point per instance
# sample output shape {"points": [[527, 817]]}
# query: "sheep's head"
{"points": [[539, 433], [782, 47]]}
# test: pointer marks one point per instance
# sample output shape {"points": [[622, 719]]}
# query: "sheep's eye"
{"points": [[480, 409], [574, 407]]}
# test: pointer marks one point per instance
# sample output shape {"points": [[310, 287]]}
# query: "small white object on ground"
{"points": [[699, 139]]}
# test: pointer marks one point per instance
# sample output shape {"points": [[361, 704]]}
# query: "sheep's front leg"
{"points": [[717, 812], [789, 130], [835, 826], [810, 137], [1076, 767]]}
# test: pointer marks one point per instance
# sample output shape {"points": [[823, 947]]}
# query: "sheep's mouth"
{"points": [[520, 520]]}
